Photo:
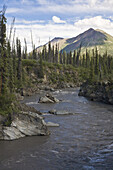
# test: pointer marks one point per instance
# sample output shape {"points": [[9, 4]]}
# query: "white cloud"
{"points": [[58, 20], [92, 2], [95, 22], [71, 7], [29, 22], [13, 10], [76, 6]]}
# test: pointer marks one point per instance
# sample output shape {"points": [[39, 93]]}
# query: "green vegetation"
{"points": [[91, 65], [20, 70]]}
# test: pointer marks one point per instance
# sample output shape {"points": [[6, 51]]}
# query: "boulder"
{"points": [[47, 88], [19, 97], [11, 133], [64, 112], [55, 100], [24, 124], [97, 91], [45, 100], [1, 133], [54, 112], [60, 112], [48, 99], [51, 124]]}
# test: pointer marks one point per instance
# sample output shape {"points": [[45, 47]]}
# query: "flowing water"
{"points": [[83, 140]]}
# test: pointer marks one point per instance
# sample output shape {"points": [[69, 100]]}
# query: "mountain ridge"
{"points": [[89, 39]]}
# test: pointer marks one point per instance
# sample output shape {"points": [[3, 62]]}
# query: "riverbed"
{"points": [[83, 140]]}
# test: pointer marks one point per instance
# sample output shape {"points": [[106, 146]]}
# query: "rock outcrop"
{"points": [[60, 112], [51, 124], [54, 112], [24, 124], [102, 92], [48, 99]]}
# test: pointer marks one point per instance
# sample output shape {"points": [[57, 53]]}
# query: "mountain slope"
{"points": [[54, 41], [88, 39]]}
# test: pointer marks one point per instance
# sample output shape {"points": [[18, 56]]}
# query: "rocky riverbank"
{"points": [[102, 92], [26, 122]]}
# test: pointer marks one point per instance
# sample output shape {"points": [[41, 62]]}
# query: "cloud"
{"points": [[73, 18], [58, 20], [44, 31], [13, 10], [28, 22], [76, 6], [95, 22], [56, 7]]}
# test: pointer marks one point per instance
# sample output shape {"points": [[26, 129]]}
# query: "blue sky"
{"points": [[57, 18]]}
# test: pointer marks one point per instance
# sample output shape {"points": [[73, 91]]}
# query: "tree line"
{"points": [[99, 66], [12, 71]]}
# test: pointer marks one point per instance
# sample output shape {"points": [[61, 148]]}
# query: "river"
{"points": [[83, 141]]}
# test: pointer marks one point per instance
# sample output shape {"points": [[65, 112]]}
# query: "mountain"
{"points": [[88, 39], [53, 42]]}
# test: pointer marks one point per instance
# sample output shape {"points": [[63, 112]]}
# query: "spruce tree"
{"points": [[83, 61], [64, 57], [53, 54], [87, 59], [19, 64], [14, 65], [10, 68], [61, 60], [34, 53], [56, 54], [74, 58], [96, 62], [70, 57], [91, 76], [49, 52], [3, 55], [41, 72]]}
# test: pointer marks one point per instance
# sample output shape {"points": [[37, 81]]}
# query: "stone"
{"points": [[55, 100], [1, 133], [54, 112], [60, 112], [47, 88], [45, 100], [19, 97], [11, 133], [101, 92], [24, 124], [48, 99], [51, 124]]}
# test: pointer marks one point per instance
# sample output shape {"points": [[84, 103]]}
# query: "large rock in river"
{"points": [[48, 99], [24, 124]]}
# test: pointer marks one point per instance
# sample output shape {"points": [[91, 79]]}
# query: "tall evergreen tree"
{"points": [[64, 57], [87, 59], [49, 52], [19, 65], [3, 54], [91, 76], [70, 57], [41, 72], [56, 54], [74, 58], [10, 68], [83, 61], [96, 62]]}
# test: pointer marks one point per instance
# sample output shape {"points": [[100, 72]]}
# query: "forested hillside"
{"points": [[20, 70], [87, 40]]}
